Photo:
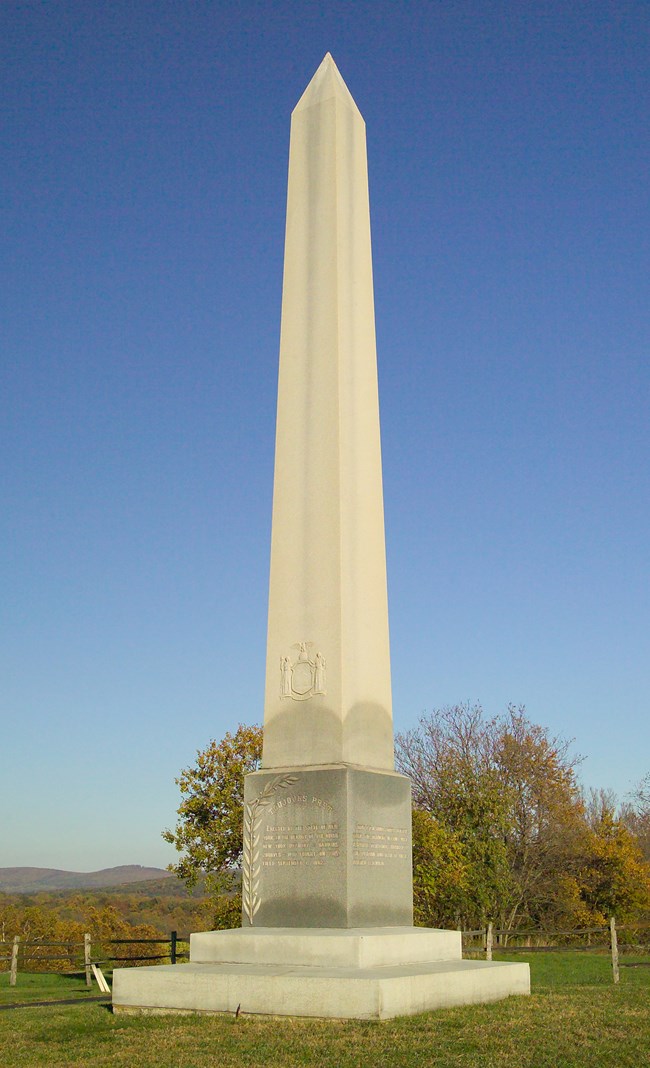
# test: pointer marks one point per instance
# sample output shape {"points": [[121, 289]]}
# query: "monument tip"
{"points": [[326, 83]]}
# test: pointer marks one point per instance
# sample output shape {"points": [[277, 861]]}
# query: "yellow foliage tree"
{"points": [[209, 832]]}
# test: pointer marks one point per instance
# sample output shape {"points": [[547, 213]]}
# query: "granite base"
{"points": [[362, 974]]}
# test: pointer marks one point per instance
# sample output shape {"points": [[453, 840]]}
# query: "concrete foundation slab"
{"points": [[352, 948], [349, 974], [274, 990]]}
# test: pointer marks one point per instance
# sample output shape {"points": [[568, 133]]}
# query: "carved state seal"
{"points": [[304, 677]]}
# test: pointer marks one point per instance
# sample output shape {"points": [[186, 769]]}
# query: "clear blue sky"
{"points": [[142, 186]]}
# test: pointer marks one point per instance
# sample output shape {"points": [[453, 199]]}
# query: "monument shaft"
{"points": [[328, 696], [327, 821]]}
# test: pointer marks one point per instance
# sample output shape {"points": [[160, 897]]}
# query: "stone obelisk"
{"points": [[326, 871], [328, 606], [328, 844]]}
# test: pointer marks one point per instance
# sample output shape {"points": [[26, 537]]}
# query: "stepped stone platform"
{"points": [[348, 974]]}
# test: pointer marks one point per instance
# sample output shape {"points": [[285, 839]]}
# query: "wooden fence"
{"points": [[80, 954], [487, 939], [483, 940]]}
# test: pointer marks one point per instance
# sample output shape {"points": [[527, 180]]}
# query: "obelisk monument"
{"points": [[326, 871], [329, 844], [328, 563]]}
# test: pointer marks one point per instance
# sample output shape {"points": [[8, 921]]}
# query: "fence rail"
{"points": [[550, 941], [490, 938], [82, 951]]}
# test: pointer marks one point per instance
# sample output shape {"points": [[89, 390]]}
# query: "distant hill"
{"points": [[31, 880]]}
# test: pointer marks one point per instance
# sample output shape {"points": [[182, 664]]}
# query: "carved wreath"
{"points": [[251, 865]]}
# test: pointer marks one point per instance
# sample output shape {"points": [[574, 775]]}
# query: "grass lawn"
{"points": [[574, 1017], [35, 987]]}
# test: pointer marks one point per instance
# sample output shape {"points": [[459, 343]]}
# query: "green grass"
{"points": [[574, 1018], [40, 987]]}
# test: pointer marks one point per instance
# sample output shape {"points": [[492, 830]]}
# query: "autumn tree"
{"points": [[441, 873], [209, 831], [614, 876], [38, 925], [546, 831], [635, 813], [501, 830], [506, 789], [450, 760]]}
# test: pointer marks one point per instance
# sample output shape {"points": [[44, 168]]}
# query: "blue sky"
{"points": [[143, 181]]}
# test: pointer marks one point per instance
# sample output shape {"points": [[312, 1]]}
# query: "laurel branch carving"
{"points": [[251, 860]]}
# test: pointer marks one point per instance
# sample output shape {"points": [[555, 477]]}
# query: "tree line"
{"points": [[502, 830], [37, 926], [66, 916]]}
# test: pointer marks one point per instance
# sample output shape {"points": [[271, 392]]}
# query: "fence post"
{"points": [[173, 940], [488, 942], [614, 942], [14, 961], [89, 974]]}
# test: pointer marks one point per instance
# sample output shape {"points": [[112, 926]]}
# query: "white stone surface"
{"points": [[354, 948], [352, 974], [328, 696], [271, 989], [328, 701]]}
